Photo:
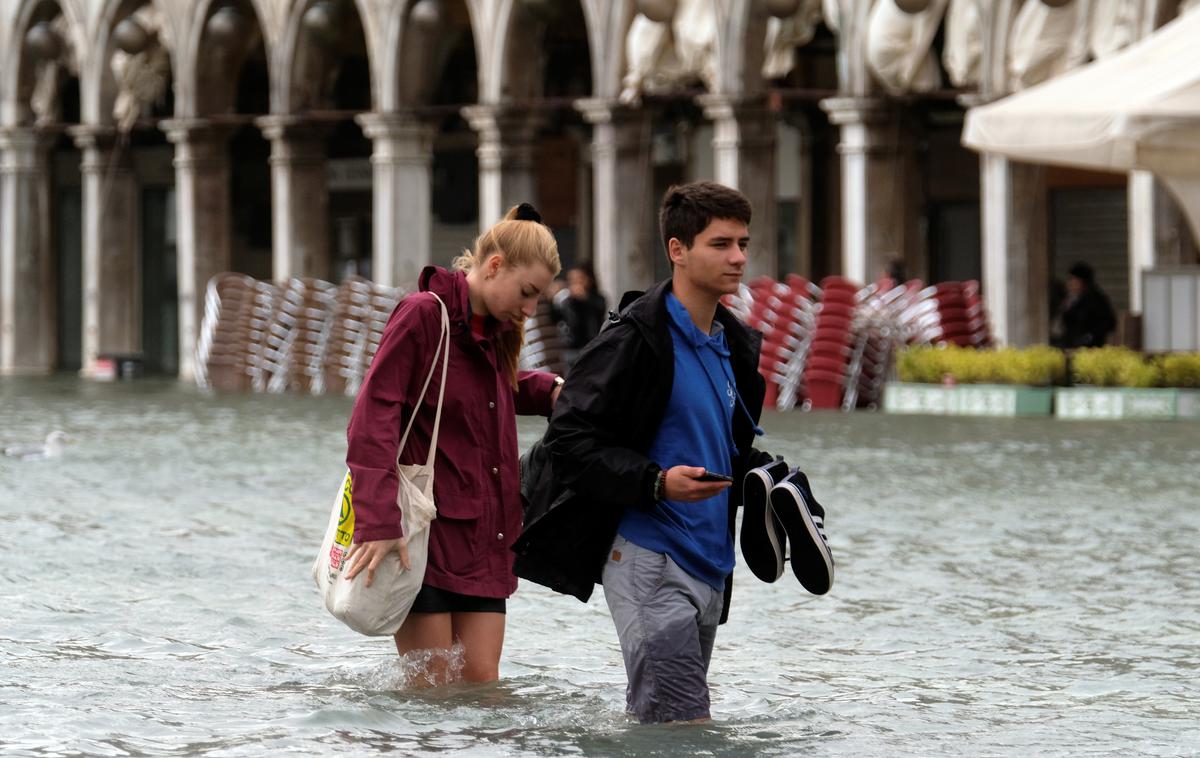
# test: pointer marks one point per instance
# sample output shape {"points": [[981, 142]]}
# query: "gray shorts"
{"points": [[667, 622]]}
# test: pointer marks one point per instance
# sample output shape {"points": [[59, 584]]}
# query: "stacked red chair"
{"points": [[981, 331], [878, 336], [834, 345], [942, 314], [741, 303], [832, 348], [790, 375], [783, 313]]}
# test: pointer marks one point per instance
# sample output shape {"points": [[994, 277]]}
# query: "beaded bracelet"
{"points": [[660, 485]]}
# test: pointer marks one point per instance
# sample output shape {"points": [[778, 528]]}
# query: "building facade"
{"points": [[146, 145]]}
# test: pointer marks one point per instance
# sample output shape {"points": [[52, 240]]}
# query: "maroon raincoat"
{"points": [[476, 487]]}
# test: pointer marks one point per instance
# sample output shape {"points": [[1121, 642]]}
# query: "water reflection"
{"points": [[1004, 587]]}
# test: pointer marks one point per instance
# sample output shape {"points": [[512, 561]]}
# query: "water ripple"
{"points": [[1005, 587]]}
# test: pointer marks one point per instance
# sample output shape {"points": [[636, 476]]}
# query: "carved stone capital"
{"points": [[599, 110], [868, 111], [93, 136], [399, 138], [291, 128], [24, 149]]}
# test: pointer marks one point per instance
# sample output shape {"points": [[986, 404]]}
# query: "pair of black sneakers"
{"points": [[778, 504]]}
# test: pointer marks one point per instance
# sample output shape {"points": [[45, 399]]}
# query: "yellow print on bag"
{"points": [[345, 530]]}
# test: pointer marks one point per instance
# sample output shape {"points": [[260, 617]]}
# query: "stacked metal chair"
{"points": [[291, 360], [827, 369], [877, 337], [237, 311], [306, 335], [783, 312], [741, 304], [827, 346], [834, 345], [544, 348], [359, 313], [981, 330], [942, 313]]}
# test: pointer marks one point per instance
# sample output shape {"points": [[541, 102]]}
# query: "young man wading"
{"points": [[621, 489]]}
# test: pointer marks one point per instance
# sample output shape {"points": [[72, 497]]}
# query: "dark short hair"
{"points": [[688, 209], [1083, 272], [589, 271]]}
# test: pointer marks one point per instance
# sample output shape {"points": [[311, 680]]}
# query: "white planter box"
{"points": [[1126, 403], [968, 399]]}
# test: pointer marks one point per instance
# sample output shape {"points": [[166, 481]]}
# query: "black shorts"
{"points": [[434, 600]]}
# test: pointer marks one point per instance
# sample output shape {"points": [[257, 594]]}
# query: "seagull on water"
{"points": [[52, 448]]}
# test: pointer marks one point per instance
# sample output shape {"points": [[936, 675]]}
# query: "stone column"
{"points": [[112, 319], [1016, 260], [202, 212], [403, 225], [744, 158], [876, 219], [623, 181], [506, 164], [28, 316], [1159, 234], [299, 198]]}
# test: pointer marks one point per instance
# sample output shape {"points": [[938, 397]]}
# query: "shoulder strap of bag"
{"points": [[443, 350]]}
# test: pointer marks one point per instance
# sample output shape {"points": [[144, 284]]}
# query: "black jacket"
{"points": [[583, 318], [1088, 319], [591, 464]]}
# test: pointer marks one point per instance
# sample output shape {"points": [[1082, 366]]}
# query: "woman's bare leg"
{"points": [[482, 636], [427, 631]]}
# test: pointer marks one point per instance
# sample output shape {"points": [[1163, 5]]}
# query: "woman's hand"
{"points": [[683, 485], [371, 554]]}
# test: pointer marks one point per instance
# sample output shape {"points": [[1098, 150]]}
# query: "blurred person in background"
{"points": [[580, 309], [1087, 316], [891, 275]]}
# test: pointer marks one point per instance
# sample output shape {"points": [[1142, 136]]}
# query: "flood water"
{"points": [[1024, 587]]}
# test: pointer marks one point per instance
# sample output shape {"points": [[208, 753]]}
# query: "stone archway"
{"points": [[222, 174], [321, 172], [428, 73], [128, 180], [40, 292], [624, 246], [531, 138]]}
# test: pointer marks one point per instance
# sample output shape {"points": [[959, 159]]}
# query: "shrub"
{"points": [[1038, 365], [922, 365], [1114, 367], [1180, 369], [1043, 365]]}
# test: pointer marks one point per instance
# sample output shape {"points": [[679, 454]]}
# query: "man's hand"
{"points": [[683, 485], [371, 554]]}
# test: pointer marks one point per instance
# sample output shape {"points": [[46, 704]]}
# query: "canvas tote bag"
{"points": [[380, 609]]}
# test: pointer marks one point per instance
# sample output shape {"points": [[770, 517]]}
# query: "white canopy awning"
{"points": [[1136, 110]]}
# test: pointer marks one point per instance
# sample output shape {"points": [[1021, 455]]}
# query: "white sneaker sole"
{"points": [[812, 562], [761, 546]]}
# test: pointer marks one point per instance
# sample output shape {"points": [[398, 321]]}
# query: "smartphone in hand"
{"points": [[712, 476]]}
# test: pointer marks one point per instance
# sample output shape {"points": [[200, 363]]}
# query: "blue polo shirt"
{"points": [[697, 430]]}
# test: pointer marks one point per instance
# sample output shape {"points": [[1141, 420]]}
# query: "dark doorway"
{"points": [[160, 289], [954, 242], [68, 209]]}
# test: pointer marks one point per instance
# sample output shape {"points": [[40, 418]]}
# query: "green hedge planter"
{"points": [[968, 399], [1126, 403]]}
